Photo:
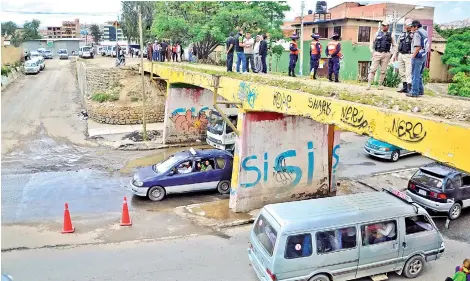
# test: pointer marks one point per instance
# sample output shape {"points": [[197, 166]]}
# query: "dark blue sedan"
{"points": [[186, 171]]}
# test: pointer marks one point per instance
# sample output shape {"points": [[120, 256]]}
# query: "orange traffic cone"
{"points": [[68, 228], [125, 219]]}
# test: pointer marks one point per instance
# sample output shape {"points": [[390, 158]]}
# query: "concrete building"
{"points": [[109, 33], [72, 44], [356, 23], [438, 71], [68, 29]]}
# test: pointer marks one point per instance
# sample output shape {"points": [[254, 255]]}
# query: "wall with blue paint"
{"points": [[280, 158]]}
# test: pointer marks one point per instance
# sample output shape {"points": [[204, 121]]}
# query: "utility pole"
{"points": [[302, 7], [144, 124]]}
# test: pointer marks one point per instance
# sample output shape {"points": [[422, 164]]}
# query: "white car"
{"points": [[86, 52], [39, 59], [32, 67], [63, 54]]}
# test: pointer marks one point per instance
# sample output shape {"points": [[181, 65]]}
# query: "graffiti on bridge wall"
{"points": [[246, 93], [408, 131], [283, 173], [188, 121]]}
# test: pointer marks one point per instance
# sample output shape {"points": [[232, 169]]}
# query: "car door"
{"points": [[177, 181], [421, 237], [378, 254], [205, 180], [465, 191]]}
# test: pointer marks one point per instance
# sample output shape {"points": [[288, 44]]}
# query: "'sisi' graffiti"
{"points": [[408, 131], [286, 174], [189, 121], [247, 93]]}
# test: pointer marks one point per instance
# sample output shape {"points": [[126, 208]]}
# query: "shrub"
{"points": [[460, 85], [392, 77], [5, 70], [102, 97], [426, 76]]}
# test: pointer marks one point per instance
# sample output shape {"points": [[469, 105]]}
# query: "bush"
{"points": [[102, 97], [5, 70], [460, 85], [392, 77], [426, 76]]}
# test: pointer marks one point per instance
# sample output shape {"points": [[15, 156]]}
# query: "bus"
{"points": [[219, 134]]}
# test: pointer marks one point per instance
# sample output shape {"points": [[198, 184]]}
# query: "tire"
{"points": [[156, 193], [224, 187], [395, 156], [320, 277], [455, 211], [413, 267]]}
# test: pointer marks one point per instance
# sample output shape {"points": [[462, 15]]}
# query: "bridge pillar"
{"points": [[187, 112], [281, 158]]}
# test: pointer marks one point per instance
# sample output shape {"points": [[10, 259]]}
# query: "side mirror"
{"points": [[172, 172]]}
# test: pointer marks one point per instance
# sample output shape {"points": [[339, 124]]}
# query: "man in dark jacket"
{"points": [[163, 51], [230, 46], [263, 52]]}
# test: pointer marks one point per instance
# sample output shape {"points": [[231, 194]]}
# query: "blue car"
{"points": [[385, 150], [186, 171]]}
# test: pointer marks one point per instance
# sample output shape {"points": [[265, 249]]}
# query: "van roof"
{"points": [[338, 210]]}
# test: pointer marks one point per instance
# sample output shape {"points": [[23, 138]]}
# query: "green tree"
{"points": [[16, 39], [460, 85], [207, 24], [457, 53], [95, 33], [31, 30], [277, 51], [9, 28], [446, 33], [130, 19]]}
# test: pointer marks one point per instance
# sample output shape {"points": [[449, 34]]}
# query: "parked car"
{"points": [[385, 150], [440, 188], [35, 54], [185, 172], [41, 51], [63, 54], [47, 54], [32, 67], [40, 61], [86, 52], [344, 238]]}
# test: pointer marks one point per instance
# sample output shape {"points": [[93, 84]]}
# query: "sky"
{"points": [[53, 12]]}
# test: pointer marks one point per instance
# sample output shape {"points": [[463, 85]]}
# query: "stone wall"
{"points": [[12, 76], [116, 114], [100, 79]]}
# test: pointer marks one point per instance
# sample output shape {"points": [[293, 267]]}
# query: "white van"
{"points": [[40, 61], [32, 67], [343, 238], [86, 52]]}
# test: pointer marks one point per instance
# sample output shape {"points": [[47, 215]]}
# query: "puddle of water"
{"points": [[219, 210], [154, 158]]}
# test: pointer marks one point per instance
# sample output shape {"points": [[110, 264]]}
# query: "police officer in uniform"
{"points": [[294, 55], [381, 48], [315, 55], [403, 55], [333, 52]]}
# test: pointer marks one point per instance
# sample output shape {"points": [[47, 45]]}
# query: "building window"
{"points": [[425, 27], [323, 32], [314, 30], [337, 29], [364, 34], [297, 31]]}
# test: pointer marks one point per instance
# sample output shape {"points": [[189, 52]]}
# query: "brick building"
{"points": [[68, 29]]}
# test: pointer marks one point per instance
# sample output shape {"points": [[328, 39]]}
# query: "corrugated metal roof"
{"points": [[436, 37], [335, 20]]}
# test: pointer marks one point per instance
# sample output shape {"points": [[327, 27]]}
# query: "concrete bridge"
{"points": [[288, 135]]}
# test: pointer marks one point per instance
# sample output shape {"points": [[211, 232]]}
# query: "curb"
{"points": [[142, 146], [394, 171]]}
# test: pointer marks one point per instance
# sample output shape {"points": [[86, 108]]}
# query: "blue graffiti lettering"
{"points": [[336, 156], [251, 168], [246, 93], [287, 174]]}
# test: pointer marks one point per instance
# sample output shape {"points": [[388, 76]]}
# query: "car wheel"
{"points": [[319, 277], [395, 156], [413, 267], [156, 193], [455, 211], [224, 187]]}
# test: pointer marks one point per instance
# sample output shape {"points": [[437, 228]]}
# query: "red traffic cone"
{"points": [[125, 219], [68, 228]]}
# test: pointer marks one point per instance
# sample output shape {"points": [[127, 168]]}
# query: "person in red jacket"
{"points": [[315, 55], [333, 50], [294, 55]]}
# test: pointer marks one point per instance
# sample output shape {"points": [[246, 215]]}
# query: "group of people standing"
{"points": [[251, 53], [164, 50]]}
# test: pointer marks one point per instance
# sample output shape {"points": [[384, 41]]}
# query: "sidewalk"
{"points": [[99, 129]]}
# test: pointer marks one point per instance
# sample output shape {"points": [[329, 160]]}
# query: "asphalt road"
{"points": [[200, 258]]}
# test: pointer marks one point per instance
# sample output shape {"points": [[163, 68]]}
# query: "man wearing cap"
{"points": [[403, 55], [381, 48], [229, 44], [294, 55], [315, 55], [419, 48], [333, 50]]}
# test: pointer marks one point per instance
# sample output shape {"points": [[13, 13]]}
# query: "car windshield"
{"points": [[48, 52], [30, 63], [34, 54], [62, 52], [427, 180], [216, 124], [266, 234], [86, 49], [168, 163]]}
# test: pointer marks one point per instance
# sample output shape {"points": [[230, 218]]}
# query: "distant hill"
{"points": [[455, 24]]}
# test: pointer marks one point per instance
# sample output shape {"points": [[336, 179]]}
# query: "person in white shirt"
{"points": [[387, 232], [248, 43], [258, 67]]}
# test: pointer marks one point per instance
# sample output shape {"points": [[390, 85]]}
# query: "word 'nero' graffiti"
{"points": [[323, 106], [408, 131], [282, 101], [188, 121], [247, 93], [354, 117]]}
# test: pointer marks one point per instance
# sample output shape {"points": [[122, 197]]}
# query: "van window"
{"points": [[415, 224], [298, 246], [379, 232], [266, 234], [337, 239], [220, 162]]}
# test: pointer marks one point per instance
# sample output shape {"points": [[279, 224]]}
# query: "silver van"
{"points": [[343, 238]]}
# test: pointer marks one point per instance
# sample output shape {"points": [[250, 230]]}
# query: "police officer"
{"points": [[381, 48], [403, 55], [333, 50], [294, 55], [315, 55]]}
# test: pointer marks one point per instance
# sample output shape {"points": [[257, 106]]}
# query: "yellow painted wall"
{"points": [[11, 54], [436, 139]]}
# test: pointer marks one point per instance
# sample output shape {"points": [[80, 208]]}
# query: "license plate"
{"points": [[422, 192]]}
